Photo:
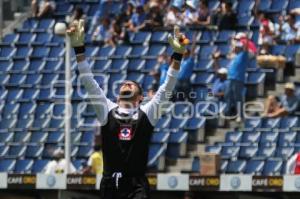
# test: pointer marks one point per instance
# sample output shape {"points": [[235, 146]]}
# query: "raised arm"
{"points": [[101, 104], [156, 104]]}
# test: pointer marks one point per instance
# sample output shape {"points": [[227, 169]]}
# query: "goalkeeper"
{"points": [[126, 125]]}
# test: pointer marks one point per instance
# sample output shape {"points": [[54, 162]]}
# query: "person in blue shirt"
{"points": [[236, 80], [286, 104], [219, 85], [137, 20]]}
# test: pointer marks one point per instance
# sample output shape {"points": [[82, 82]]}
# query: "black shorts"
{"points": [[128, 188]]}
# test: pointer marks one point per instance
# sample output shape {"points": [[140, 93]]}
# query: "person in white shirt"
{"points": [[59, 164]]}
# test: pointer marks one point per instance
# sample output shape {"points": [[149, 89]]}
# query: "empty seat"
{"points": [[42, 38], [236, 166], [36, 65], [254, 166], [251, 137], [34, 151], [84, 152], [230, 151], [5, 65], [233, 137], [118, 65], [7, 165], [53, 65], [266, 151], [23, 166], [91, 51], [56, 51], [26, 38], [55, 137], [272, 167], [268, 138], [40, 52], [26, 109], [141, 37], [159, 36], [287, 138], [160, 137], [247, 152], [45, 24], [139, 50], [16, 79], [284, 152], [38, 137], [122, 51], [38, 166], [16, 151], [7, 52], [6, 137], [156, 50], [30, 94], [21, 137]]}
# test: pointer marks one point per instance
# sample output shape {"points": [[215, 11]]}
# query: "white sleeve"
{"points": [[164, 93], [290, 165], [89, 163], [72, 168], [49, 168], [101, 104]]}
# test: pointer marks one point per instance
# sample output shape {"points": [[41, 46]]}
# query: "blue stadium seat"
{"points": [[24, 123], [30, 93], [20, 65], [42, 38], [150, 65], [264, 5], [293, 4], [203, 65], [156, 49], [14, 94], [91, 51], [213, 149], [284, 152], [247, 152], [122, 51], [23, 52], [34, 151], [7, 165], [106, 51], [3, 93], [159, 37], [49, 79], [26, 38], [233, 137], [202, 78], [230, 151], [163, 122], [180, 109], [39, 165], [21, 137], [7, 52], [207, 51], [53, 65], [26, 109], [136, 65], [23, 166], [245, 7], [148, 82], [63, 8], [206, 37], [270, 123], [10, 108], [266, 151], [251, 137], [6, 137], [118, 65], [269, 138], [55, 137], [141, 37], [3, 150], [5, 65], [225, 35], [272, 167], [84, 152], [16, 151], [160, 137], [288, 122], [87, 137], [196, 165], [38, 137], [139, 50], [155, 152], [10, 38], [100, 65], [45, 24], [278, 5], [56, 51], [236, 166], [16, 79], [36, 65], [177, 123], [254, 166], [30, 24], [278, 49], [138, 77], [40, 52], [287, 138], [252, 123], [290, 52], [40, 123]]}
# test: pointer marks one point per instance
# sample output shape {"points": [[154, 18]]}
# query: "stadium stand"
{"points": [[31, 73]]}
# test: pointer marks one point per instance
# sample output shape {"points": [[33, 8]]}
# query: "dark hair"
{"points": [[97, 147], [293, 16], [205, 2], [79, 11], [139, 87]]}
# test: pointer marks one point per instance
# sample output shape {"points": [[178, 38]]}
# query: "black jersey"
{"points": [[126, 144]]}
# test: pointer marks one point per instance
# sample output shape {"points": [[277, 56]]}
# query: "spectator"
{"points": [[288, 29], [137, 20], [59, 164], [248, 44], [42, 8], [77, 15], [284, 105], [225, 18], [236, 78], [102, 33], [160, 75], [219, 85], [154, 18], [190, 15], [293, 165], [126, 15], [101, 13], [204, 15], [266, 30], [95, 162], [119, 33], [173, 16]]}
